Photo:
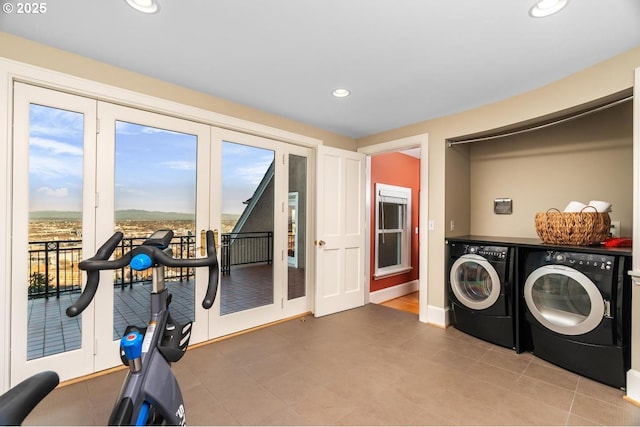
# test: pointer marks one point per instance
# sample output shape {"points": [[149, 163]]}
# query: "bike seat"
{"points": [[20, 400]]}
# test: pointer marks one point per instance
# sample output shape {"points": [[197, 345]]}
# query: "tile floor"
{"points": [[369, 366]]}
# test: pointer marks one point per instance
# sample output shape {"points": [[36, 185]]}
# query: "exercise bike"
{"points": [[150, 394]]}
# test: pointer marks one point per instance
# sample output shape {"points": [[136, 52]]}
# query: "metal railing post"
{"points": [[57, 269]]}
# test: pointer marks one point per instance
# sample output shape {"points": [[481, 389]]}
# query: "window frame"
{"points": [[401, 193]]}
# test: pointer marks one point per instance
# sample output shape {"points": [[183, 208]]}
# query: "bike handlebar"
{"points": [[100, 261], [19, 401]]}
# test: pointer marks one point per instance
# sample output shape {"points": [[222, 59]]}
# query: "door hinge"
{"points": [[97, 204], [95, 347], [281, 302], [97, 126]]}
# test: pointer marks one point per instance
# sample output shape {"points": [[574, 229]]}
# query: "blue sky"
{"points": [[55, 159], [243, 167], [155, 168]]}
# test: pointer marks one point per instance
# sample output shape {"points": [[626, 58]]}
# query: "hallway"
{"points": [[368, 366]]}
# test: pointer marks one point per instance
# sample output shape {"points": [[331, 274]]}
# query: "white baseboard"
{"points": [[633, 386], [397, 291], [438, 316]]}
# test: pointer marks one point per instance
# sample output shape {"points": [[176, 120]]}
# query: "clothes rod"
{"points": [[542, 126]]}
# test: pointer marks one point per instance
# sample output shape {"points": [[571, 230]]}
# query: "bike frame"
{"points": [[141, 391]]}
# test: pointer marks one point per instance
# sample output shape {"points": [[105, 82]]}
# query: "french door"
{"points": [[152, 174], [53, 223], [258, 231], [81, 170]]}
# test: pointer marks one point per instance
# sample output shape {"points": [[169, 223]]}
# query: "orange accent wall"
{"points": [[402, 170]]}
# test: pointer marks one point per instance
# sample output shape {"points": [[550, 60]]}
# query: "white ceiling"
{"points": [[404, 61]]}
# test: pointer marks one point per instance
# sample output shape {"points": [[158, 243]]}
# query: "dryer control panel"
{"points": [[584, 262]]}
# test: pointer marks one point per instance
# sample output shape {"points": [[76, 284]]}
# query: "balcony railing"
{"points": [[53, 265], [245, 248]]}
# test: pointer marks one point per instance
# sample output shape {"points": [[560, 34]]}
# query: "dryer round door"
{"points": [[564, 300], [474, 282]]}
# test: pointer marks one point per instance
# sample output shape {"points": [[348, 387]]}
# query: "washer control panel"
{"points": [[489, 252]]}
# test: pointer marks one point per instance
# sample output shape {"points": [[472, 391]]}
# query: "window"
{"points": [[393, 230]]}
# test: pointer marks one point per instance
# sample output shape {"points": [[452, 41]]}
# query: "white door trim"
{"points": [[633, 375], [427, 314]]}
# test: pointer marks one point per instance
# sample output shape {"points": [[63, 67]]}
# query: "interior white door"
{"points": [[340, 233], [53, 219]]}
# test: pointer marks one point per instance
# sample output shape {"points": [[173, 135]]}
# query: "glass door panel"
{"points": [[297, 228], [247, 252], [155, 188], [55, 228], [53, 187], [564, 300], [474, 282]]}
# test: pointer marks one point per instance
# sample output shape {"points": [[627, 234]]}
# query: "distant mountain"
{"points": [[65, 215], [122, 215], [230, 217], [131, 214]]}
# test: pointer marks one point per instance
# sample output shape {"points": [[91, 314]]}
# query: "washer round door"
{"points": [[564, 300], [474, 282]]}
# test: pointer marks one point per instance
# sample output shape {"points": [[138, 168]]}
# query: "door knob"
{"points": [[320, 242]]}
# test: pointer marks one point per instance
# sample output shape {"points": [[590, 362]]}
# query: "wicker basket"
{"points": [[573, 228]]}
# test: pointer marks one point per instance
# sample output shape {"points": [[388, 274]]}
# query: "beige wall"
{"points": [[590, 158], [28, 52], [449, 172]]}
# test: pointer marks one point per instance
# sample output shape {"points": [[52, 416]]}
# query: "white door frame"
{"points": [[633, 374], [427, 314]]}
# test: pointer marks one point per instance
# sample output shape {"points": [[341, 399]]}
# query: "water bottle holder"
{"points": [[175, 341]]}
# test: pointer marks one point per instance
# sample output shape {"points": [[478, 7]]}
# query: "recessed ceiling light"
{"points": [[547, 7], [145, 6], [341, 93]]}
